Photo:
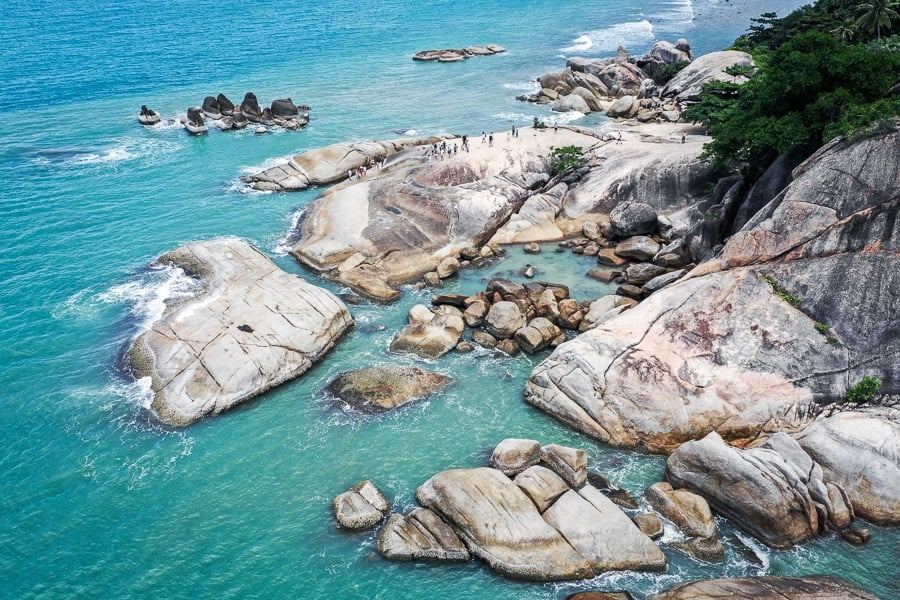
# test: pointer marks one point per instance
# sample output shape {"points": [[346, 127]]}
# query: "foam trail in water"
{"points": [[287, 241], [675, 17], [634, 35], [151, 294]]}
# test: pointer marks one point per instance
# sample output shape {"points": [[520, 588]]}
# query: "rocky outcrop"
{"points": [[380, 389], [810, 587], [193, 122], [734, 346], [512, 456], [535, 221], [457, 54], [859, 450], [147, 116], [535, 527], [360, 507], [688, 83], [774, 491], [321, 166], [693, 517], [432, 337], [420, 535], [378, 232], [249, 328]]}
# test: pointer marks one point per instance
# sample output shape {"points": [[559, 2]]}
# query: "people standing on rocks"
{"points": [[483, 137], [683, 137], [619, 137], [491, 140], [555, 126]]}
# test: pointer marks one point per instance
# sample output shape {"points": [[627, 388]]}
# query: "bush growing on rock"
{"points": [[565, 158], [865, 390]]}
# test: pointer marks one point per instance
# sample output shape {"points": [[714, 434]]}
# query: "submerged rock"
{"points": [[379, 389], [250, 328]]}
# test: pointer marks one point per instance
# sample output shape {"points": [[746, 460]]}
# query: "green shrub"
{"points": [[567, 157], [865, 390], [788, 297], [823, 328]]}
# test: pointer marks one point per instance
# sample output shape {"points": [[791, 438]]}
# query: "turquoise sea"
{"points": [[97, 501]]}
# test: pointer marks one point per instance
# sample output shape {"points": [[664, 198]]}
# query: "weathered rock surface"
{"points": [[399, 223], [535, 221], [513, 455], [773, 491], [715, 353], [632, 219], [360, 507], [321, 166], [420, 535], [148, 116], [250, 328], [500, 525], [568, 463], [688, 83], [687, 510], [810, 587], [457, 54], [433, 338], [860, 452], [542, 485], [379, 389]]}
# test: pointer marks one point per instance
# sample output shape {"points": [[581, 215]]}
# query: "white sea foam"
{"points": [[114, 153], [524, 86], [762, 554], [634, 35], [287, 241], [674, 16], [150, 294]]}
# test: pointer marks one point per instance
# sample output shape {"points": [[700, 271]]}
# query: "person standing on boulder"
{"points": [[491, 140]]}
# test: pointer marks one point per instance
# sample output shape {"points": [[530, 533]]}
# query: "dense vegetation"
{"points": [[823, 71]]}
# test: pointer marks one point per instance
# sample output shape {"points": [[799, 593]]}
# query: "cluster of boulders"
{"points": [[509, 316], [360, 507], [148, 116], [457, 54], [775, 491], [533, 514], [653, 87], [635, 249], [227, 116]]}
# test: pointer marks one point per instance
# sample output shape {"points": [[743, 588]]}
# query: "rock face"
{"points": [[774, 491], [688, 83], [692, 515], [329, 164], [381, 231], [724, 349], [512, 456], [860, 451], [148, 116], [379, 389], [432, 338], [810, 587], [250, 328]]}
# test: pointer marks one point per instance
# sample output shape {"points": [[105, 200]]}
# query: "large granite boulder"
{"points": [[501, 525], [250, 108], [420, 535], [734, 346], [535, 221], [431, 339], [809, 587], [774, 491], [688, 83], [360, 507], [379, 389], [579, 535], [250, 327], [712, 353], [632, 219], [514, 455], [859, 450]]}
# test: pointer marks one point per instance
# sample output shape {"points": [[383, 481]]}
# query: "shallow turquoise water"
{"points": [[96, 500]]}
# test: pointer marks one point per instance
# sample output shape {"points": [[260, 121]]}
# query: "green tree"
{"points": [[845, 32], [877, 14]]}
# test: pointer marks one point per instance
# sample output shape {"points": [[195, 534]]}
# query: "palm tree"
{"points": [[877, 14], [845, 31]]}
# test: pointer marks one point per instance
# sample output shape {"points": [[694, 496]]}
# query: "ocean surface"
{"points": [[97, 500]]}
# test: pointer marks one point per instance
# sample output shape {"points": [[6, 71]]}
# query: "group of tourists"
{"points": [[360, 172]]}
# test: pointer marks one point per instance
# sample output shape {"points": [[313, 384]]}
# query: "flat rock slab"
{"points": [[380, 389], [250, 328]]}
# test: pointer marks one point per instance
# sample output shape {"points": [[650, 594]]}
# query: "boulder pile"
{"points": [[654, 87], [228, 116], [529, 516], [509, 316]]}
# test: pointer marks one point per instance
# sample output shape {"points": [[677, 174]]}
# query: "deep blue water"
{"points": [[99, 502]]}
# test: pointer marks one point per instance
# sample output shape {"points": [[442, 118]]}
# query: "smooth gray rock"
{"points": [[632, 218], [500, 525], [638, 248], [859, 450], [504, 319], [432, 339], [420, 535], [688, 83], [568, 463], [623, 107], [250, 327], [542, 485], [361, 507], [687, 510], [602, 533], [642, 273], [513, 455], [772, 491]]}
